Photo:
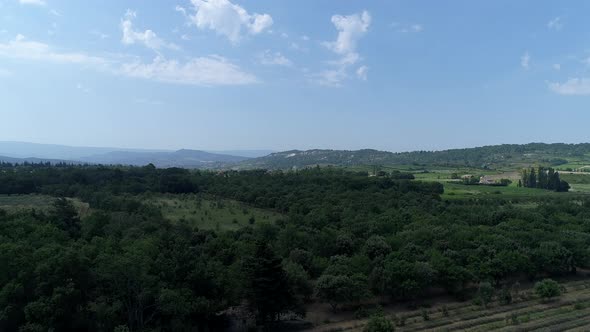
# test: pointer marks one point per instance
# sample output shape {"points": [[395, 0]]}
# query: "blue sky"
{"points": [[342, 74]]}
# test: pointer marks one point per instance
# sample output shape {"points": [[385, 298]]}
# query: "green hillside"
{"points": [[497, 156]]}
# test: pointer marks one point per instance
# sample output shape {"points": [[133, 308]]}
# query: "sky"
{"points": [[294, 74]]}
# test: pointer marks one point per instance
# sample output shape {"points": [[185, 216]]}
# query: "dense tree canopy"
{"points": [[344, 237]]}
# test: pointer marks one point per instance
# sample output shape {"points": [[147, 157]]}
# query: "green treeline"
{"points": [[345, 237], [543, 178]]}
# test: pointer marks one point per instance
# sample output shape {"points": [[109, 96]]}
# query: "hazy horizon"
{"points": [[221, 75], [229, 150]]}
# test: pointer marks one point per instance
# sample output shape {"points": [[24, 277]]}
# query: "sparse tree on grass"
{"points": [[485, 293]]}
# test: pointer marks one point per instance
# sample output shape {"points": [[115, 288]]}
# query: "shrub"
{"points": [[424, 314], [505, 296], [379, 323], [445, 311], [547, 289]]}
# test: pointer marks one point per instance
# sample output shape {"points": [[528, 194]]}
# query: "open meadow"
{"points": [[207, 212]]}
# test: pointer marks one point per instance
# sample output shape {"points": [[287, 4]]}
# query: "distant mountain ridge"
{"points": [[181, 158], [473, 157], [485, 156], [56, 151], [19, 152]]}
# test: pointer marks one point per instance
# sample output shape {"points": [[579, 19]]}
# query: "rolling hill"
{"points": [[19, 152], [481, 157], [180, 158]]}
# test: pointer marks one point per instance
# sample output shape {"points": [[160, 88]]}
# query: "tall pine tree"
{"points": [[269, 294]]}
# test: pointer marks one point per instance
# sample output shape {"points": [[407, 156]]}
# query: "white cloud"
{"points": [[147, 37], [407, 28], [555, 24], [228, 19], [362, 72], [20, 48], [181, 10], [351, 29], [185, 37], [556, 66], [82, 88], [417, 28], [274, 59], [54, 13], [32, 2], [330, 77], [525, 60], [203, 71], [573, 86], [99, 34], [304, 37]]}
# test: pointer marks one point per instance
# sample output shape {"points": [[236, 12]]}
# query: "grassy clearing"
{"points": [[460, 191], [15, 203], [211, 213]]}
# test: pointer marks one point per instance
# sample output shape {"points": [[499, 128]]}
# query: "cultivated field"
{"points": [[570, 312]]}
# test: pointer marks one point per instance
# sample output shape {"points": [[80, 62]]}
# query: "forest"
{"points": [[344, 238]]}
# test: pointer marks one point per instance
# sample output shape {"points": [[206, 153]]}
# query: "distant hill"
{"points": [[486, 156], [180, 158], [244, 153], [19, 152], [54, 151], [13, 160], [494, 156]]}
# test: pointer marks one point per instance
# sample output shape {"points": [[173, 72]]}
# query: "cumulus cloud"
{"points": [[147, 37], [227, 18], [573, 86], [557, 66], [525, 60], [555, 24], [32, 2], [204, 71], [351, 29], [21, 48], [269, 58], [362, 72]]}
